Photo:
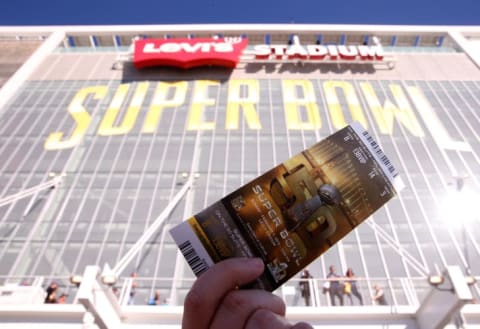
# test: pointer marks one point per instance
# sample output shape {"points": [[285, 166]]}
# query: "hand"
{"points": [[214, 301]]}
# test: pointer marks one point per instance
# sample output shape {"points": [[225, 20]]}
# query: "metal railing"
{"points": [[398, 291]]}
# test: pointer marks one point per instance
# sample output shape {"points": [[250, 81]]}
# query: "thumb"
{"points": [[265, 319]]}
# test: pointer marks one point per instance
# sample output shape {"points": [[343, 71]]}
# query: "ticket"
{"points": [[296, 211]]}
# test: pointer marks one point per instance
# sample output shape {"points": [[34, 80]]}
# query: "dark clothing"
{"points": [[336, 288], [305, 287], [51, 295], [131, 298], [382, 300], [380, 297]]}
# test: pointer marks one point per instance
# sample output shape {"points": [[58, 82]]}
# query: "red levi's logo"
{"points": [[188, 53]]}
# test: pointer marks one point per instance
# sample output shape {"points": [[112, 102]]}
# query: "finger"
{"points": [[302, 325], [208, 291], [237, 307], [263, 318]]}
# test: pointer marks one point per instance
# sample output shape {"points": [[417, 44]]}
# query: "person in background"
{"points": [[305, 286], [115, 292], [336, 286], [379, 295], [215, 300], [133, 287], [25, 282], [51, 297], [62, 299], [156, 299], [351, 287]]}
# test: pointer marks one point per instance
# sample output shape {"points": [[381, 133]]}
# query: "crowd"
{"points": [[215, 300], [337, 287], [52, 295]]}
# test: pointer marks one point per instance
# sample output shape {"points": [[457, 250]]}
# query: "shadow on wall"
{"points": [[304, 68], [130, 73]]}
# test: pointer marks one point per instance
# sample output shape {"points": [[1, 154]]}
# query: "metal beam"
{"points": [[444, 301], [30, 191], [127, 258], [35, 60], [99, 300]]}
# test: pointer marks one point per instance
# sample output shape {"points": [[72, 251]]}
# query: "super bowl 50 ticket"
{"points": [[294, 212]]}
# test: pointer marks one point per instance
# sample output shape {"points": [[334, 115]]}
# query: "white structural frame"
{"points": [[96, 298]]}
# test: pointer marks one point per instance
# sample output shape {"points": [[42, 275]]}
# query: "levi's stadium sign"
{"points": [[228, 52], [317, 52], [188, 53]]}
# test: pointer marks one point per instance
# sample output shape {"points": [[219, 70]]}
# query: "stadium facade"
{"points": [[95, 144]]}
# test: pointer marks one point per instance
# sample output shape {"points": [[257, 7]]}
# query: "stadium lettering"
{"points": [[318, 52], [301, 106]]}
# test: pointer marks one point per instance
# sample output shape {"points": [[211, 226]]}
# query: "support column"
{"points": [[462, 42], [24, 72], [99, 300], [445, 300]]}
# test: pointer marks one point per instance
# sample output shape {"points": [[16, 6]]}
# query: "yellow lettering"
{"points": [[81, 117], [200, 101], [384, 116], [293, 102], [243, 94], [107, 126], [335, 107], [160, 101]]}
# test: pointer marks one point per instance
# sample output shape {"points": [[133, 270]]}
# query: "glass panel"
{"points": [[116, 184]]}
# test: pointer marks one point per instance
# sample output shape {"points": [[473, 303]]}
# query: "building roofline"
{"points": [[242, 28]]}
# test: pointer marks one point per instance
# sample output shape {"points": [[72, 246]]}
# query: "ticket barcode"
{"points": [[380, 153], [196, 263]]}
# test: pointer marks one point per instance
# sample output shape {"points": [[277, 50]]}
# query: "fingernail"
{"points": [[256, 263]]}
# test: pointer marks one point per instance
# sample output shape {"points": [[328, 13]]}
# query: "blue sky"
{"points": [[86, 12]]}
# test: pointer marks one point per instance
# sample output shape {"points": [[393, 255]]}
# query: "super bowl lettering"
{"points": [[305, 110]]}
